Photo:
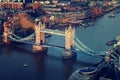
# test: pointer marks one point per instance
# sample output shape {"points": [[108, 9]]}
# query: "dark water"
{"points": [[50, 66]]}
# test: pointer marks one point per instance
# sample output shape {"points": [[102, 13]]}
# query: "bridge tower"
{"points": [[7, 32], [69, 43], [69, 36], [40, 38]]}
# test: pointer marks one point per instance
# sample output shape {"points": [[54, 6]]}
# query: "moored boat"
{"points": [[112, 42], [90, 23], [112, 15]]}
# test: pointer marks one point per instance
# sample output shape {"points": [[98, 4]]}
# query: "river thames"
{"points": [[50, 66]]}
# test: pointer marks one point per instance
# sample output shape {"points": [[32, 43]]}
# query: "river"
{"points": [[50, 66]]}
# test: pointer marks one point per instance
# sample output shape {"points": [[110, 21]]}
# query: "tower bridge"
{"points": [[38, 42], [37, 39]]}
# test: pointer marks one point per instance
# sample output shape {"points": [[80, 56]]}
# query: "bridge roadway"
{"points": [[56, 32]]}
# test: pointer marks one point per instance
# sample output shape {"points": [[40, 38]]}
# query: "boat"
{"points": [[117, 11], [90, 23], [112, 15], [111, 42], [25, 65], [84, 24]]}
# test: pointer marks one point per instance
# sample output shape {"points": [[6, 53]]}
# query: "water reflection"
{"points": [[6, 51], [68, 67], [40, 64]]}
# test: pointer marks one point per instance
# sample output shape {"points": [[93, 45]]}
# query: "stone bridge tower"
{"points": [[69, 37], [39, 37], [69, 43]]}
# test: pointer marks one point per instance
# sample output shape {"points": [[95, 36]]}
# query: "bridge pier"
{"points": [[40, 38], [68, 53], [38, 48]]}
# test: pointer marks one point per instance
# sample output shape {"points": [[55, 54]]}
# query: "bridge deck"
{"points": [[56, 32]]}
